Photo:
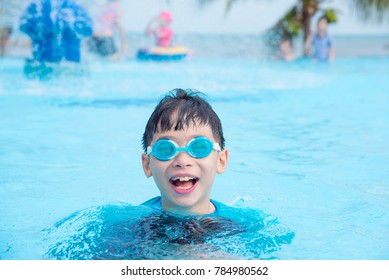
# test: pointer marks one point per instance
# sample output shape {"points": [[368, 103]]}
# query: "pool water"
{"points": [[123, 231], [308, 145]]}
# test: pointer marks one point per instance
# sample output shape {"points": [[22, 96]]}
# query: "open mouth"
{"points": [[183, 184]]}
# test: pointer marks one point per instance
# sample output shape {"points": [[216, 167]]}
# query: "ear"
{"points": [[222, 161], [146, 165]]}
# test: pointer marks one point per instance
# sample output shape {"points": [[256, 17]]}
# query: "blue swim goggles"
{"points": [[198, 147]]}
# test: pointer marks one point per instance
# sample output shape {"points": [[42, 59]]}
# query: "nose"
{"points": [[182, 160]]}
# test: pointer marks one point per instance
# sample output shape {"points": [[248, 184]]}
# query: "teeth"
{"points": [[182, 179]]}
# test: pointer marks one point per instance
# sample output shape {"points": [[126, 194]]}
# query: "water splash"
{"points": [[134, 232]]}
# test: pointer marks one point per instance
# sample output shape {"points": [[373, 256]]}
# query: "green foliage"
{"points": [[291, 26], [294, 28], [374, 10], [287, 28], [331, 16], [290, 23]]}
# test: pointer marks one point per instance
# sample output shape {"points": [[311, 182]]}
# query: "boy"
{"points": [[184, 149], [323, 47]]}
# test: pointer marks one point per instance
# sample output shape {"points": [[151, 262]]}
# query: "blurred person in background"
{"points": [[320, 45], [159, 27], [286, 50], [107, 20], [5, 35]]}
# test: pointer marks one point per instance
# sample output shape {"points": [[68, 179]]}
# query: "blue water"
{"points": [[307, 142], [124, 231]]}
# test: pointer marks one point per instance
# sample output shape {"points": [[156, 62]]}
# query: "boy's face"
{"points": [[185, 182], [322, 25]]}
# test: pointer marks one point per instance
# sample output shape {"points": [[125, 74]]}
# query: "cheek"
{"points": [[209, 165], [158, 167]]}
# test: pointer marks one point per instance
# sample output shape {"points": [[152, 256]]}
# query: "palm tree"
{"points": [[372, 9], [298, 19]]}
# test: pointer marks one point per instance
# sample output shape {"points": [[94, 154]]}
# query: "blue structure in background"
{"points": [[56, 29]]}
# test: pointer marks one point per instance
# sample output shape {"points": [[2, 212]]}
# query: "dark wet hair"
{"points": [[190, 107]]}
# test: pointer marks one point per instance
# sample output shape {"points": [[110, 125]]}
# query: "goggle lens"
{"points": [[200, 148], [164, 149]]}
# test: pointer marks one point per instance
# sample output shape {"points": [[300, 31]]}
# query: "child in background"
{"points": [[108, 18], [160, 28], [286, 50], [321, 42], [5, 35]]}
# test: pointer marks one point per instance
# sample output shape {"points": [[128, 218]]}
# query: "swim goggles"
{"points": [[198, 147]]}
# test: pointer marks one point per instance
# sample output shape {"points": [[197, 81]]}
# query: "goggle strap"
{"points": [[216, 147]]}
